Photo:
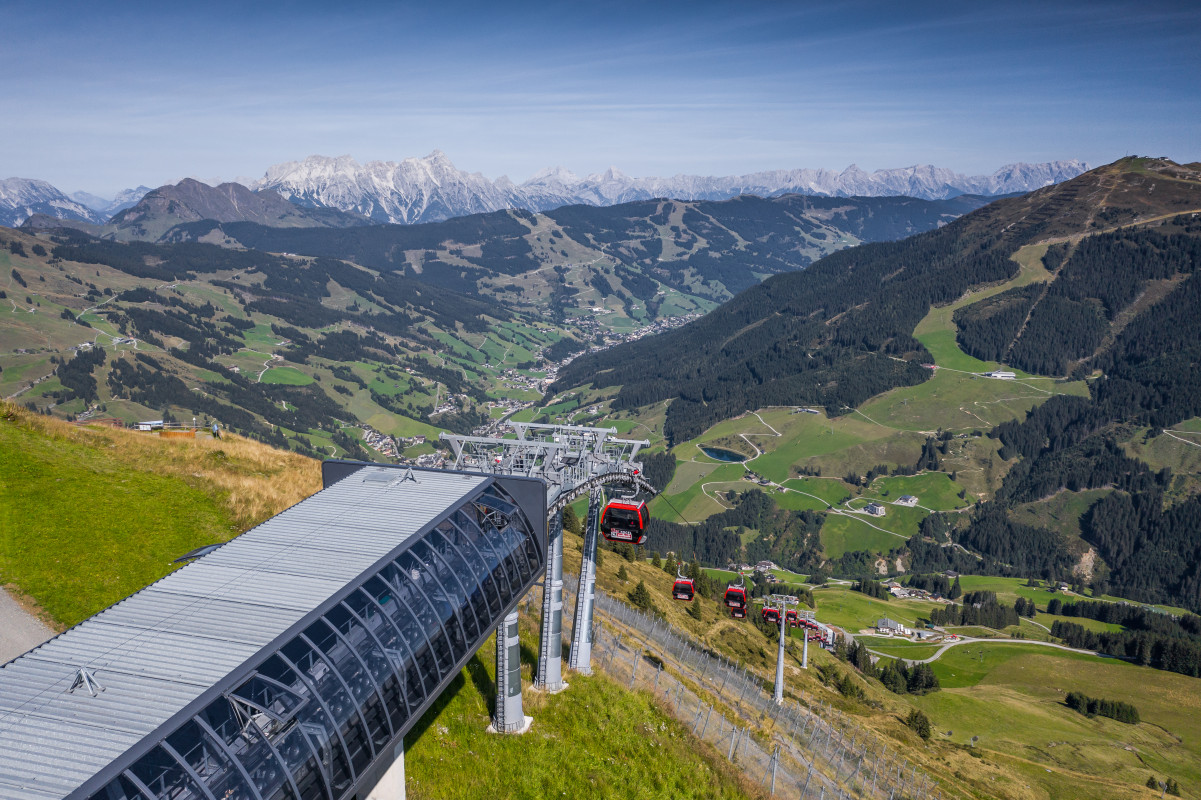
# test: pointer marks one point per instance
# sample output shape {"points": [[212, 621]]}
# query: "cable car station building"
{"points": [[288, 663]]}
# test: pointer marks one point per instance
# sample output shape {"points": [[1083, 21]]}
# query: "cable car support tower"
{"points": [[573, 461], [781, 602]]}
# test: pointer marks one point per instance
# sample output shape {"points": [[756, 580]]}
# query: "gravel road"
{"points": [[19, 630]]}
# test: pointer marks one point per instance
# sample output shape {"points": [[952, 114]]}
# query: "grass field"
{"points": [[934, 490], [1060, 512], [937, 330], [1011, 696], [684, 493], [88, 516], [842, 533], [596, 735], [854, 610], [289, 376], [831, 490], [899, 648]]}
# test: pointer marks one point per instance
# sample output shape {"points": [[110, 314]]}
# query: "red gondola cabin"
{"points": [[792, 617], [738, 613], [682, 590], [624, 521], [771, 614], [735, 597]]}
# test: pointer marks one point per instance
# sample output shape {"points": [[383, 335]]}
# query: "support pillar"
{"points": [[392, 785], [550, 651], [508, 716], [805, 651], [778, 695], [581, 632]]}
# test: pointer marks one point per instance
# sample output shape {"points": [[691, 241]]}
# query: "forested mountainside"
{"points": [[841, 331], [292, 334], [709, 248], [1117, 306]]}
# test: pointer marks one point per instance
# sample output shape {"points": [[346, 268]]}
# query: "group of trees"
{"points": [[872, 588], [790, 537], [977, 608], [896, 675], [1179, 653], [76, 375], [1094, 707], [937, 583]]}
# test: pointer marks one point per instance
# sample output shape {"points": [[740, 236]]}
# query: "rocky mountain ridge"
{"points": [[21, 198], [432, 189]]}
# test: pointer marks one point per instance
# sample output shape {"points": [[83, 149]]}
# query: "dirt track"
{"points": [[19, 630]]}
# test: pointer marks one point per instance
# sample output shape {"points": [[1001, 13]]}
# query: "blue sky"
{"points": [[102, 97]]}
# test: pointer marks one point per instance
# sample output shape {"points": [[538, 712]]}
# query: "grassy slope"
{"points": [[594, 739], [90, 515], [1012, 698]]}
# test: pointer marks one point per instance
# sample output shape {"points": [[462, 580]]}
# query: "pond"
{"points": [[721, 454]]}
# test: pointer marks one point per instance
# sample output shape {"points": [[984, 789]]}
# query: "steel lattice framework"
{"points": [[572, 459]]}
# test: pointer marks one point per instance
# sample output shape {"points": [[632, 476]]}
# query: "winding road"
{"points": [[973, 640]]}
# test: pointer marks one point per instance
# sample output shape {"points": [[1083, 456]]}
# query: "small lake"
{"points": [[721, 454]]}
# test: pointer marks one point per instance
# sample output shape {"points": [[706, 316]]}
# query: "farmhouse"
{"points": [[1001, 375], [891, 627], [907, 500]]}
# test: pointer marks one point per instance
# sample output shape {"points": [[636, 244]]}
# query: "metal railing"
{"points": [[806, 749]]}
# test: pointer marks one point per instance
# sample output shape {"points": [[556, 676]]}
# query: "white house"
{"points": [[891, 626], [907, 500], [875, 509]]}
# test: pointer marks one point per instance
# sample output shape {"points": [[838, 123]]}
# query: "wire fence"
{"points": [[807, 749]]}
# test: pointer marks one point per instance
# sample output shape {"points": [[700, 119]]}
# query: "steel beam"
{"points": [[550, 651], [581, 632], [508, 716]]}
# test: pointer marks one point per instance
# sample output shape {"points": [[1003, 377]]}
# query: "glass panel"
{"points": [[340, 705], [460, 605], [242, 740], [487, 552], [502, 546], [379, 634], [536, 557], [478, 567], [313, 720], [468, 574], [359, 646], [420, 629], [164, 776], [400, 652], [209, 762], [425, 591], [120, 789], [387, 657], [277, 703], [488, 566]]}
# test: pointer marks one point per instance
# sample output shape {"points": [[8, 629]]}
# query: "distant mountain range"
{"points": [[191, 201], [21, 198], [432, 189], [106, 208]]}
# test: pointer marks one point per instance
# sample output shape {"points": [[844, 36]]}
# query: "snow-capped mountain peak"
{"points": [[431, 188], [21, 198]]}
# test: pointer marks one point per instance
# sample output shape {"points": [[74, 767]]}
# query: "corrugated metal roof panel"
{"points": [[162, 648]]}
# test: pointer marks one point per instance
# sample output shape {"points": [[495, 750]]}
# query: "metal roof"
{"points": [[161, 649]]}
